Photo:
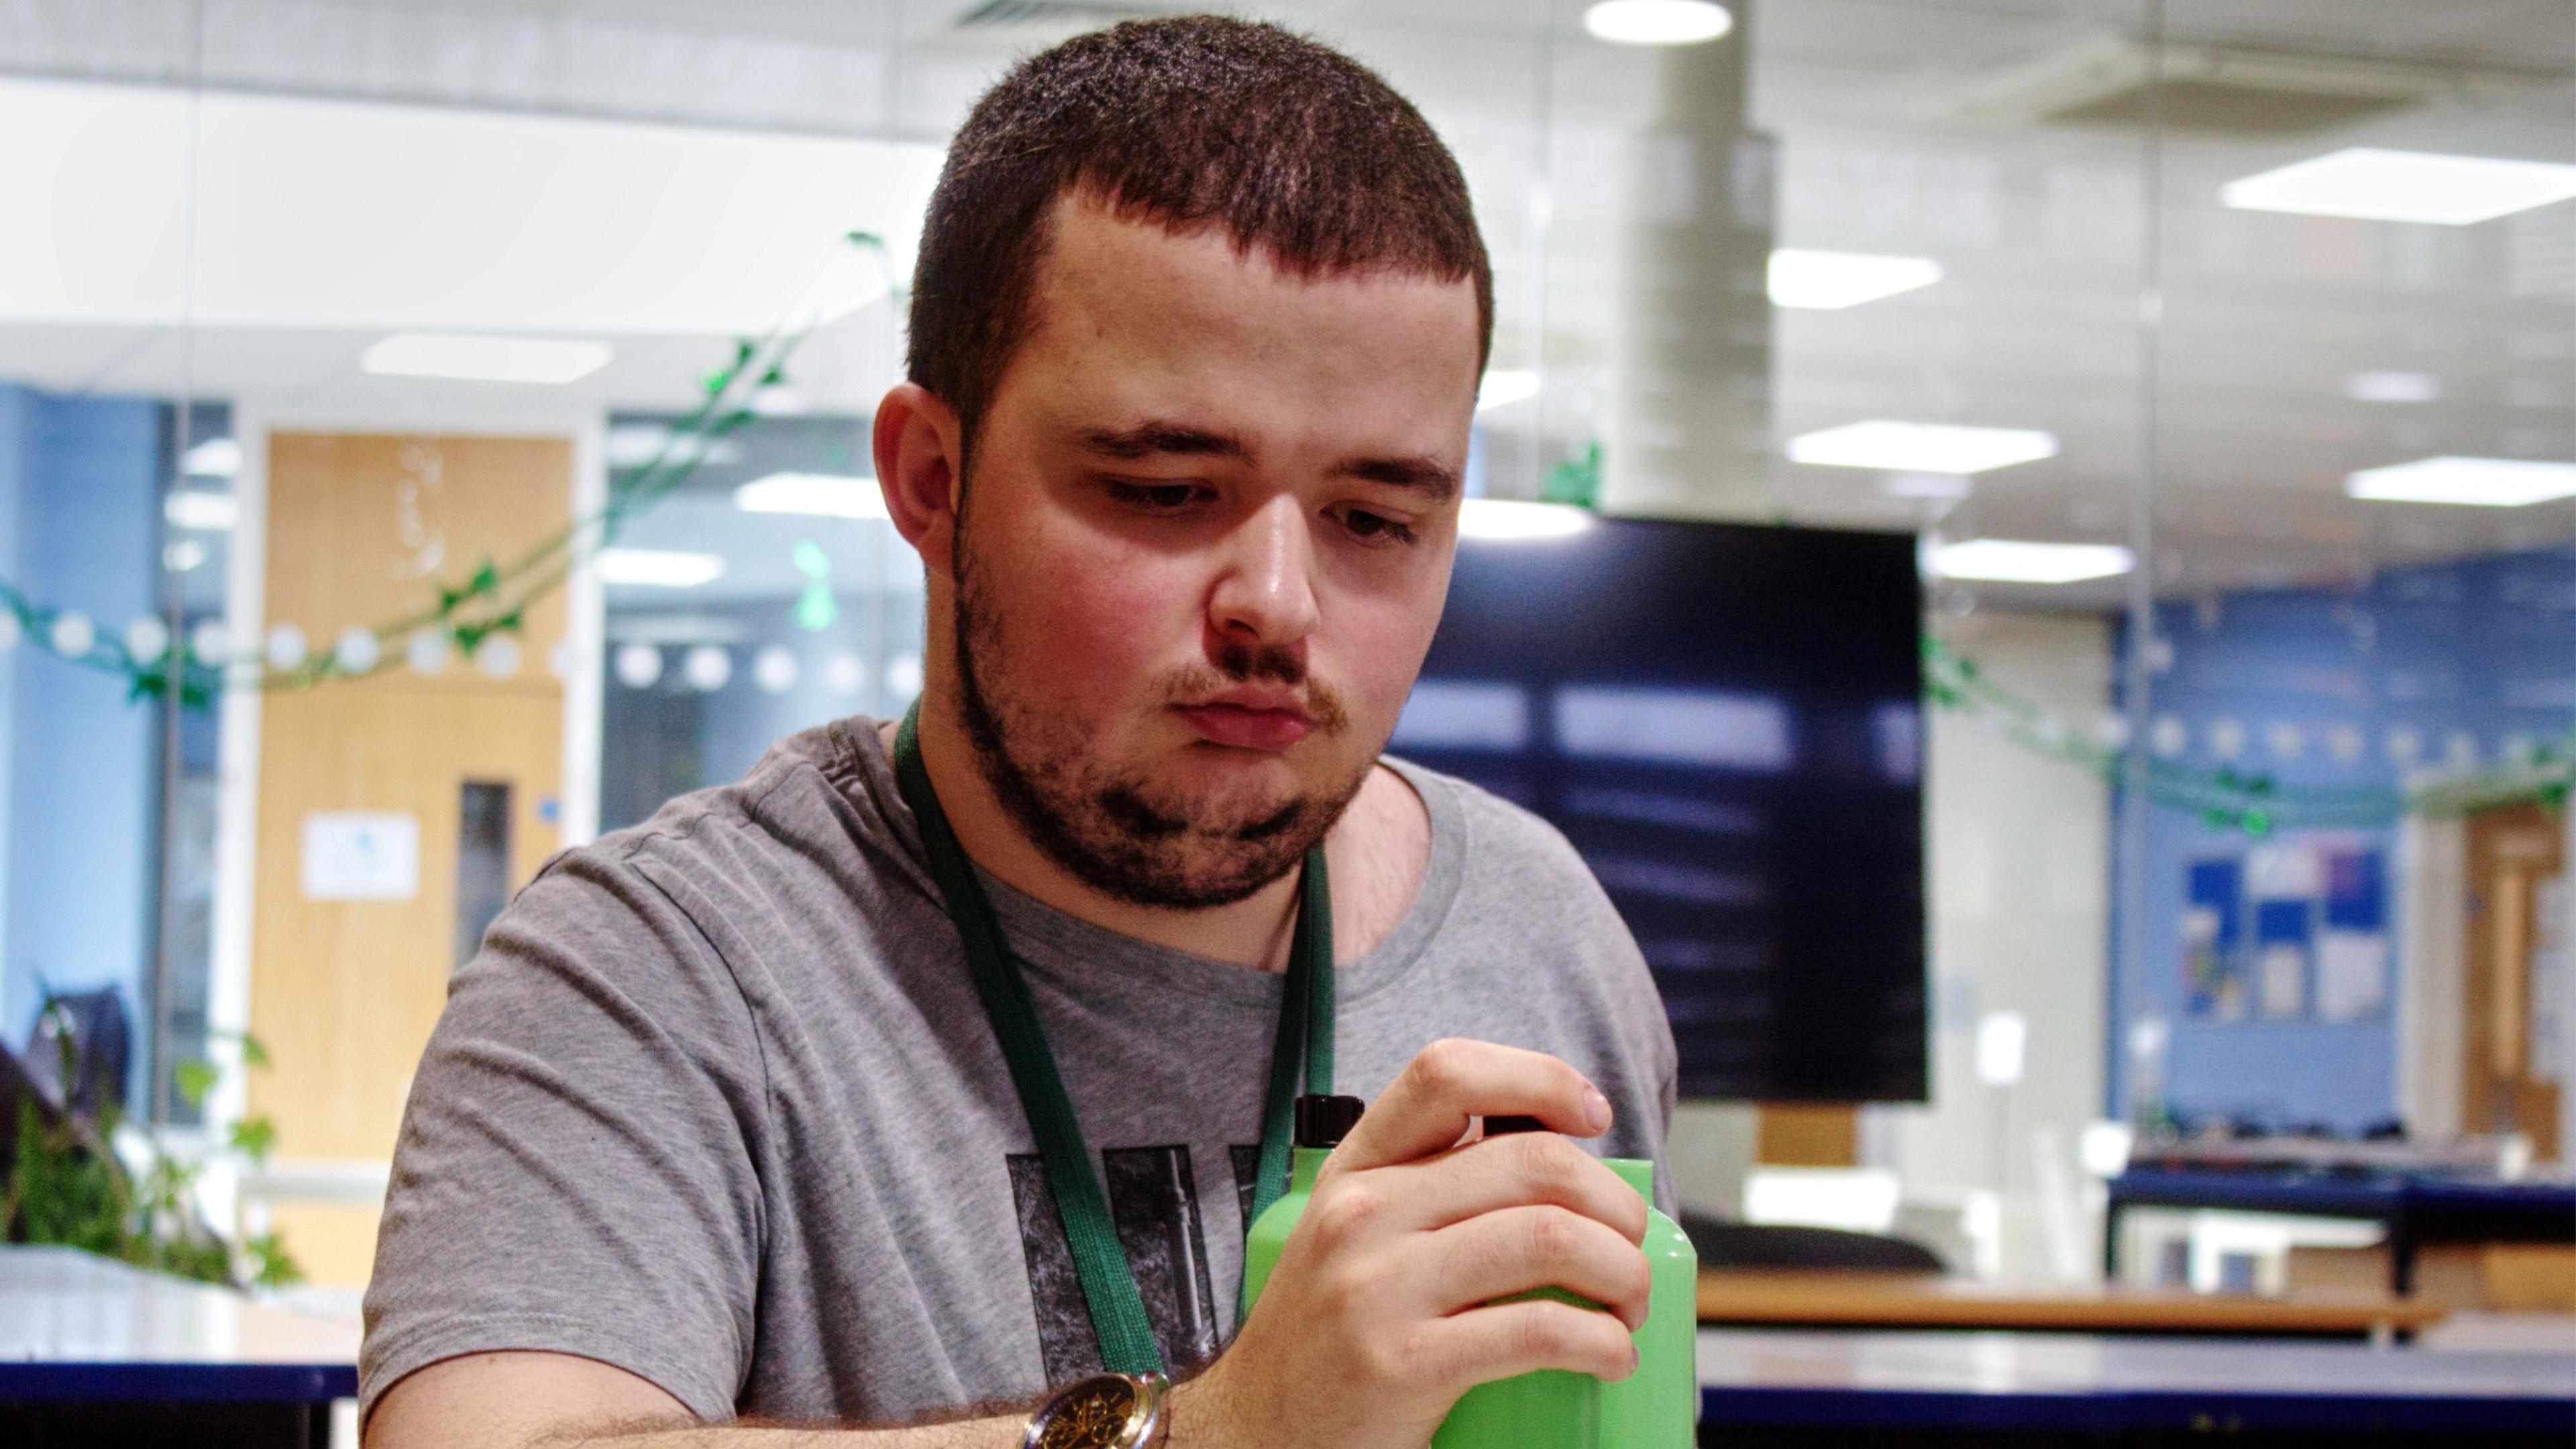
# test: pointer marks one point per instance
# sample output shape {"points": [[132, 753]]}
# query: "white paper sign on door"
{"points": [[359, 855]]}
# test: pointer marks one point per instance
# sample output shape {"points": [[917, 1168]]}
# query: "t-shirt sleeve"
{"points": [[576, 1170]]}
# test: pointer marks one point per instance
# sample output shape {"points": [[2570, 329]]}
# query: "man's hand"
{"points": [[1380, 1312]]}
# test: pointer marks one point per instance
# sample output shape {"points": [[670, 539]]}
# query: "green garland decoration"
{"points": [[495, 597], [492, 600], [2228, 799]]}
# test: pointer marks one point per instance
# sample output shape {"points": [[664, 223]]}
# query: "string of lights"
{"points": [[477, 617], [2227, 798]]}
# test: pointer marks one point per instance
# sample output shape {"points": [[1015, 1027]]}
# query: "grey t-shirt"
{"points": [[716, 1102]]}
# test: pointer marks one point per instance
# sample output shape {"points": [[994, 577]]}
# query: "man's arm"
{"points": [[522, 1400]]}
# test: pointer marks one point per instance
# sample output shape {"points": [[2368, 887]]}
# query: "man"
{"points": [[717, 1126]]}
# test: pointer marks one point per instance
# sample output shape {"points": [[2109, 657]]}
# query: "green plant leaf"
{"points": [[270, 1265], [194, 1078], [254, 1138]]}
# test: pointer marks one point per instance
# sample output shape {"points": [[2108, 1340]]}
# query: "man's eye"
{"points": [[1156, 497], [1375, 527]]}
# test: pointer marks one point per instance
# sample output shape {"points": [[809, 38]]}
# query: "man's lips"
{"points": [[1248, 726]]}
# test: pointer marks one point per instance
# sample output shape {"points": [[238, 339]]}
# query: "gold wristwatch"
{"points": [[1105, 1411]]}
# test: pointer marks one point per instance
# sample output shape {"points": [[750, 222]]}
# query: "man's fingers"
{"points": [[1427, 1106], [1503, 1339], [1518, 1249], [1521, 1169]]}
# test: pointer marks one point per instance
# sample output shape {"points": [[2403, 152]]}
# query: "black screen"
{"points": [[1725, 721]]}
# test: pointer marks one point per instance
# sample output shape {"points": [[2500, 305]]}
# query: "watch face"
{"points": [[1093, 1414]]}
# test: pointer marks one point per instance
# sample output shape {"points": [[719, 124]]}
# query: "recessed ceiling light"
{"points": [[2420, 186], [1657, 22], [1506, 519], [820, 495], [1896, 447], [2392, 387], [484, 359], [201, 508], [1948, 486], [1505, 385], [2020, 561], [1831, 281], [213, 458], [2484, 482], [658, 568]]}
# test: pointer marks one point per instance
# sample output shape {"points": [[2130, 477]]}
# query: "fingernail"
{"points": [[1596, 1109]]}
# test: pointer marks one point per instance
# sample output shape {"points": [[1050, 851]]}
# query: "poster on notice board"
{"points": [[2293, 929]]}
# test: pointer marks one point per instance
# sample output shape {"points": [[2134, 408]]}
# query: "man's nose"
{"points": [[1265, 594]]}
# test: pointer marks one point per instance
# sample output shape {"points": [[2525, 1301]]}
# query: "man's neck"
{"points": [[1376, 855]]}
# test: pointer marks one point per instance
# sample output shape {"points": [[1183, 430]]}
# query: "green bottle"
{"points": [[1657, 1407], [1321, 1123], [1653, 1408]]}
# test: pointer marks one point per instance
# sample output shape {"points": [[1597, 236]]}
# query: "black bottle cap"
{"points": [[1324, 1121], [1498, 1126]]}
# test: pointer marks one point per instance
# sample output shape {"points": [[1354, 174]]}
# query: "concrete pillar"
{"points": [[1690, 416]]}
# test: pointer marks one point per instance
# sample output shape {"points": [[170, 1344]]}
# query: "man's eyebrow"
{"points": [[1419, 473], [1147, 439]]}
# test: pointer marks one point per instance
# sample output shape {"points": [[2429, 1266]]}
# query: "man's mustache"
{"points": [[1238, 663]]}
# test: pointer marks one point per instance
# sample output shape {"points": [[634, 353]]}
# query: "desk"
{"points": [[1779, 1387], [2415, 1210], [1788, 1297], [92, 1349]]}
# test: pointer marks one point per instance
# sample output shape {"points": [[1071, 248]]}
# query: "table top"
{"points": [[75, 1325], [2064, 1381], [1930, 1300]]}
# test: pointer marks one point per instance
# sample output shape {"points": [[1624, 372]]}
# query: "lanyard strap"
{"points": [[1305, 1031]]}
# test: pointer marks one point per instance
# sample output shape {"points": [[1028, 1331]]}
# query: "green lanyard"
{"points": [[1305, 1031]]}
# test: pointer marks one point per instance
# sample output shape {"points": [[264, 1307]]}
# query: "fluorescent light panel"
{"points": [[213, 458], [1657, 22], [2392, 387], [201, 509], [335, 213], [1831, 281], [2419, 186], [2020, 561], [2478, 482], [1898, 447], [1509, 519], [1505, 385], [818, 495], [484, 359], [658, 568]]}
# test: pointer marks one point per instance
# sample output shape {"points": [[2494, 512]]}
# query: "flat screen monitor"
{"points": [[1725, 721]]}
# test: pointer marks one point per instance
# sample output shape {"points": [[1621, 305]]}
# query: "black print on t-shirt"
{"points": [[1153, 1199]]}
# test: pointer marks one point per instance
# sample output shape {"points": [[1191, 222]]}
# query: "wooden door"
{"points": [[344, 991], [2514, 852]]}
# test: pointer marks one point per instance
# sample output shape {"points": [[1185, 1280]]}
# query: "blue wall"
{"points": [[79, 489], [2473, 656]]}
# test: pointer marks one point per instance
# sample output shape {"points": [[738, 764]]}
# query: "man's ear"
{"points": [[919, 450]]}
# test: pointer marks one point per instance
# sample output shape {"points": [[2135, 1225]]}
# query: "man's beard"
{"points": [[1118, 831]]}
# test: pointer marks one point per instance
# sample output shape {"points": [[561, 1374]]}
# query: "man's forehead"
{"points": [[1103, 270]]}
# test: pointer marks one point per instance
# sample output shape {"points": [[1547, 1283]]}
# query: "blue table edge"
{"points": [[27, 1381], [1844, 1407]]}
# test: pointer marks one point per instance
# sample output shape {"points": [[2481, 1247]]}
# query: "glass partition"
{"points": [[412, 402]]}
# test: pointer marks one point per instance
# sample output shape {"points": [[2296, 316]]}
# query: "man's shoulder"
{"points": [[1499, 835], [809, 782]]}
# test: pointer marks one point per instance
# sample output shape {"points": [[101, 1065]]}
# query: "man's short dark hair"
{"points": [[1194, 121]]}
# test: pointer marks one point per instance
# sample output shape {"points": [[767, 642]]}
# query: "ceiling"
{"points": [[1917, 127]]}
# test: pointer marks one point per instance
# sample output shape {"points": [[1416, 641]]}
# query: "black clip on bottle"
{"points": [[1322, 1121]]}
